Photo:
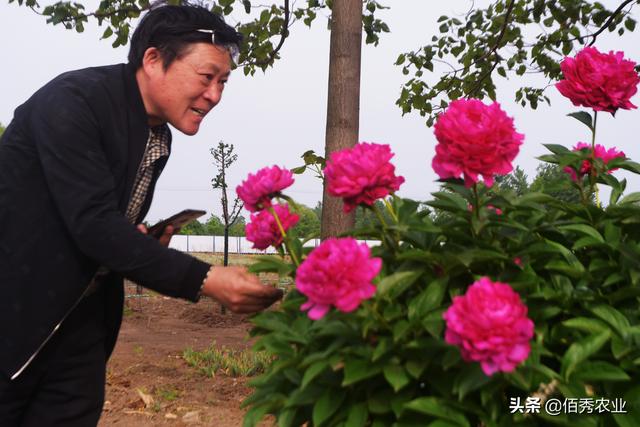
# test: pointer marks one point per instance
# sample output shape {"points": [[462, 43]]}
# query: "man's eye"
{"points": [[208, 77]]}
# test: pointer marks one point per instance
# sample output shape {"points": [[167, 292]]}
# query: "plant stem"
{"points": [[385, 228], [592, 178], [476, 208], [284, 236], [390, 209], [375, 209]]}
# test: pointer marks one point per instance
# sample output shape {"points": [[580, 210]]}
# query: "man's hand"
{"points": [[238, 290], [167, 234]]}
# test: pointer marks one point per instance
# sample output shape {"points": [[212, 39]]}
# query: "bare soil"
{"points": [[148, 381]]}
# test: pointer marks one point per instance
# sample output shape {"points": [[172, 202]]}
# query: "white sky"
{"points": [[273, 118]]}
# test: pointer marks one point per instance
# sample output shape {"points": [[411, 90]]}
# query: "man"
{"points": [[78, 165]]}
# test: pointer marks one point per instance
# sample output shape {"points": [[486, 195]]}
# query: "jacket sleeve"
{"points": [[68, 142]]}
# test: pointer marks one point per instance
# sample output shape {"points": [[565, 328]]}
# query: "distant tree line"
{"points": [[308, 226]]}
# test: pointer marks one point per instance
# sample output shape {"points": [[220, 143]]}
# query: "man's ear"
{"points": [[152, 61]]}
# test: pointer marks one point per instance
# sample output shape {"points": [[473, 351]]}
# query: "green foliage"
{"points": [[264, 26], [552, 180], [505, 38], [515, 181], [574, 263], [214, 227], [234, 363], [367, 217], [2, 128], [237, 229], [309, 224]]}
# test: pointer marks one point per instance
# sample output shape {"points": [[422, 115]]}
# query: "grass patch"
{"points": [[235, 363], [167, 393]]}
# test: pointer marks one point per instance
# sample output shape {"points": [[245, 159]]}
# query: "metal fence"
{"points": [[237, 245]]}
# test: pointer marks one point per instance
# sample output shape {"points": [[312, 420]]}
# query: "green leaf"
{"points": [[287, 417], [470, 378], [600, 371], [585, 242], [550, 246], [630, 166], [586, 324], [396, 283], [613, 317], [396, 376], [428, 299], [327, 405], [471, 256], [357, 370], [449, 202], [358, 415], [629, 419], [584, 229], [581, 350], [415, 368], [534, 197], [583, 117], [313, 371], [380, 402], [271, 264], [437, 408], [557, 149], [630, 198], [299, 170], [255, 414]]}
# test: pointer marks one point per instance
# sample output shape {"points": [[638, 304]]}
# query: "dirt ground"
{"points": [[149, 383]]}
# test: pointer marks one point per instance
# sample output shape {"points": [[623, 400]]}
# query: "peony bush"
{"points": [[475, 308]]}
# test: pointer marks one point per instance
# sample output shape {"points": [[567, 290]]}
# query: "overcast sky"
{"points": [[273, 118]]}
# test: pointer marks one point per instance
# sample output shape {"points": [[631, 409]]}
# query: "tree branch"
{"points": [[284, 33], [609, 21], [495, 48], [96, 14]]}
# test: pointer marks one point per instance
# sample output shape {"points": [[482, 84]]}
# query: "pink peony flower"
{"points": [[518, 261], [490, 325], [600, 152], [257, 190], [475, 139], [337, 273], [604, 82], [361, 174], [498, 211], [263, 229]]}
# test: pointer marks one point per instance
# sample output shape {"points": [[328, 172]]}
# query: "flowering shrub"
{"points": [[362, 174], [257, 190], [490, 325], [475, 139], [338, 273], [599, 152], [263, 229], [604, 82], [471, 302]]}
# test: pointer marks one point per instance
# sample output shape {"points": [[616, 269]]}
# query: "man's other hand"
{"points": [[167, 234], [238, 290]]}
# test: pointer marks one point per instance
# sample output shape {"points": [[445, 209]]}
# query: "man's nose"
{"points": [[213, 94]]}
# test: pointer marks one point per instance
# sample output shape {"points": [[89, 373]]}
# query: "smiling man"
{"points": [[78, 165]]}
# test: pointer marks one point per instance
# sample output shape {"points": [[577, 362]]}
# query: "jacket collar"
{"points": [[137, 131]]}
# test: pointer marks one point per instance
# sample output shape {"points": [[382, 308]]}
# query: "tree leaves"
{"points": [[501, 40]]}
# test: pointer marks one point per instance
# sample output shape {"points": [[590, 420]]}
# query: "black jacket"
{"points": [[68, 161]]}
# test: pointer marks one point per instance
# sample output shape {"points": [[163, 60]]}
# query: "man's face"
{"points": [[191, 86]]}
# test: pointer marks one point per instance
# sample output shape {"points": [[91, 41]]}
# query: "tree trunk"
{"points": [[343, 106], [225, 258]]}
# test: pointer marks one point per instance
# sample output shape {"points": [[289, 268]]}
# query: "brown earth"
{"points": [[148, 381]]}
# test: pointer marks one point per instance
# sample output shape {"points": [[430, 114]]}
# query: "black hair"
{"points": [[171, 29]]}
